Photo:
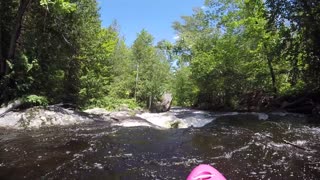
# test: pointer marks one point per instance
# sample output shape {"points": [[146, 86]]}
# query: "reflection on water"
{"points": [[240, 146]]}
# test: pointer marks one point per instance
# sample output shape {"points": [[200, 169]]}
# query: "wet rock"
{"points": [[120, 114], [175, 124], [9, 107], [305, 103], [97, 111], [37, 117], [98, 114]]}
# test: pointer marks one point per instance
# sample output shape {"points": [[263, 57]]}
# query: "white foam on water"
{"points": [[197, 121], [160, 119], [277, 145], [189, 118], [132, 124], [98, 165], [169, 119], [228, 155], [300, 142], [196, 118], [261, 116]]}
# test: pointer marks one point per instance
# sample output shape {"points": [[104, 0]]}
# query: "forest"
{"points": [[234, 54]]}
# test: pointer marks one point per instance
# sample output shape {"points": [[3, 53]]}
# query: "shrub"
{"points": [[35, 100]]}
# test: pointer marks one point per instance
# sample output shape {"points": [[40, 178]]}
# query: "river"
{"points": [[241, 146]]}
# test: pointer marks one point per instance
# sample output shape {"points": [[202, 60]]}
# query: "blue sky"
{"points": [[156, 16]]}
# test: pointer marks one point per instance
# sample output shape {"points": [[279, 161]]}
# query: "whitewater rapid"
{"points": [[184, 118]]}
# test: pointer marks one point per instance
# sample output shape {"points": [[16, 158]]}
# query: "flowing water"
{"points": [[241, 146]]}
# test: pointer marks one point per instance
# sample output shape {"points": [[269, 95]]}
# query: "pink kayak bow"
{"points": [[205, 172]]}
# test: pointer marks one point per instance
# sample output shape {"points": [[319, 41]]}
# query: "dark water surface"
{"points": [[241, 147]]}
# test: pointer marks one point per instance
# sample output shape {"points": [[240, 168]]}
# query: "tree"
{"points": [[123, 72], [16, 65], [142, 52], [184, 89], [96, 71], [230, 51], [152, 69], [299, 21], [17, 25]]}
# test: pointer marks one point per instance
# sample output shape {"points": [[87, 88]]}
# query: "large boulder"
{"points": [[164, 105]]}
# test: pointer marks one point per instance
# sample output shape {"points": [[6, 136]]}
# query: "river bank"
{"points": [[37, 117]]}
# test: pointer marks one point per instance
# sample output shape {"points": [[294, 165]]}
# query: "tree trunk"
{"points": [[2, 61], [15, 34], [150, 102], [137, 78], [273, 77]]}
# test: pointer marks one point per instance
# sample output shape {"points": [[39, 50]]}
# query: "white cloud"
{"points": [[203, 7], [177, 37]]}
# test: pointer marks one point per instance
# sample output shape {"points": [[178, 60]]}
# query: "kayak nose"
{"points": [[205, 172], [203, 176]]}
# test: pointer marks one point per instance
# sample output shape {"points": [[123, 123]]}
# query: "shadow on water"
{"points": [[241, 147]]}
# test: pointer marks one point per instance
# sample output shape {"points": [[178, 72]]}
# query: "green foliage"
{"points": [[62, 6], [35, 100], [19, 80], [123, 72], [299, 25], [66, 55], [224, 52], [231, 50], [96, 70], [185, 90], [152, 69], [111, 103]]}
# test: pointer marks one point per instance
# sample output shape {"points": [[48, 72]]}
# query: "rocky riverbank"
{"points": [[37, 117]]}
